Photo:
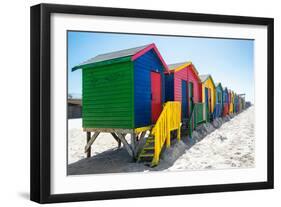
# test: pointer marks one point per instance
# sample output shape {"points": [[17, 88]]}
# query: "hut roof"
{"points": [[134, 52], [179, 66], [176, 65], [114, 55], [219, 85], [205, 77]]}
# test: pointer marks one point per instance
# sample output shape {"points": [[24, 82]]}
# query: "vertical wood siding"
{"points": [[142, 86], [219, 98], [218, 93], [193, 77], [225, 96], [169, 87], [188, 75], [209, 84], [178, 77], [108, 96]]}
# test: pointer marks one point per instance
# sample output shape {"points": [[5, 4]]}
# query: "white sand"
{"points": [[230, 146]]}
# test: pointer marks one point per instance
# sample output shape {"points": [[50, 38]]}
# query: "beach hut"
{"points": [[225, 101], [236, 103], [241, 102], [208, 90], [219, 101], [230, 98], [183, 84], [124, 93], [232, 101]]}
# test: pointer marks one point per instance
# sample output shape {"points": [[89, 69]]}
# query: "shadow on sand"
{"points": [[117, 160]]}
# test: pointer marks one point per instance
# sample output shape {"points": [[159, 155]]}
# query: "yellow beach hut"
{"points": [[208, 94], [231, 101]]}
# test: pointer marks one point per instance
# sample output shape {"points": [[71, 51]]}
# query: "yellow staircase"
{"points": [[169, 120]]}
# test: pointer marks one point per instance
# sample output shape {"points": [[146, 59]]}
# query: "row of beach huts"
{"points": [[142, 102]]}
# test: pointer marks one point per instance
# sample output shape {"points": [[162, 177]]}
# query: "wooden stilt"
{"points": [[141, 142], [119, 143], [133, 143], [142, 135], [88, 139], [125, 143], [117, 139]]}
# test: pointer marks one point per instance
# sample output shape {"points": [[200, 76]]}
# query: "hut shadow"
{"points": [[117, 160]]}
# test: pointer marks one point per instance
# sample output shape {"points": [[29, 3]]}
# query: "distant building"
{"points": [[248, 104], [74, 108]]}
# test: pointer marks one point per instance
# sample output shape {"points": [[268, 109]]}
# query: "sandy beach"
{"points": [[229, 146]]}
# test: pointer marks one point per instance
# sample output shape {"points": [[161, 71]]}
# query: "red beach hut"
{"points": [[182, 83]]}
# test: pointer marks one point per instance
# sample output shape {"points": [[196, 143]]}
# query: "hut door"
{"points": [[183, 98], [207, 97], [190, 97], [156, 106], [210, 99]]}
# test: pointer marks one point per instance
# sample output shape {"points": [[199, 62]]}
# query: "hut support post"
{"points": [[140, 143], [133, 144], [116, 138], [90, 141], [125, 143]]}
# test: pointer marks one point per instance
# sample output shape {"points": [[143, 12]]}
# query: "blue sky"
{"points": [[229, 61]]}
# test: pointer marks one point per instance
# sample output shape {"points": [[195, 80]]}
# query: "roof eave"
{"points": [[149, 47], [102, 63]]}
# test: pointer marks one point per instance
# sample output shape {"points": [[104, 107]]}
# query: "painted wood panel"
{"points": [[210, 85], [142, 86], [169, 87], [193, 77], [108, 96]]}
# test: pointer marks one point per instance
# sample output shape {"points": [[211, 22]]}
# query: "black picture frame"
{"points": [[41, 96]]}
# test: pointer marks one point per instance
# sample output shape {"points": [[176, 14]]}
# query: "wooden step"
{"points": [[145, 158], [147, 155], [148, 147], [150, 140]]}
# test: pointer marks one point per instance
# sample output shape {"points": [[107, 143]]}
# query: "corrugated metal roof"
{"points": [[176, 65], [203, 78], [112, 55], [217, 84]]}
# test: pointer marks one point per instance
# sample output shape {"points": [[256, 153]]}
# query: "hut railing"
{"points": [[169, 120]]}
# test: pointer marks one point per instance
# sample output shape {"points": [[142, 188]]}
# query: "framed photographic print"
{"points": [[132, 103]]}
